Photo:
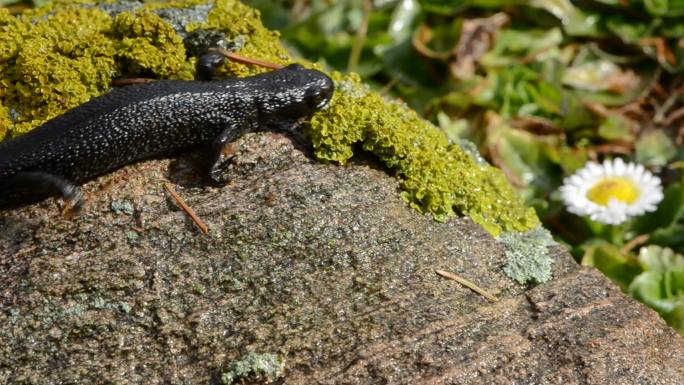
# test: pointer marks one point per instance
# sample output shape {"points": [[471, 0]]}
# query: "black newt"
{"points": [[146, 120]]}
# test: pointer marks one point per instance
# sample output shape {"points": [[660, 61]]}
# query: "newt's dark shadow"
{"points": [[187, 169], [15, 197]]}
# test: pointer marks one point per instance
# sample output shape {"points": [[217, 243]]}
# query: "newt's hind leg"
{"points": [[45, 183]]}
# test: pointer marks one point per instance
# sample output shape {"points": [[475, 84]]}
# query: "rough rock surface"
{"points": [[321, 265]]}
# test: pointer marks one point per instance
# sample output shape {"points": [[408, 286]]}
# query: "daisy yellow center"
{"points": [[620, 189]]}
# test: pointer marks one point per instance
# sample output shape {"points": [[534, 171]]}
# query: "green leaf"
{"points": [[274, 15], [444, 7], [454, 130], [672, 236], [574, 115], [660, 259], [572, 160], [512, 44], [599, 75], [650, 288], [672, 28], [655, 148], [403, 19], [675, 318], [620, 268], [617, 127], [661, 285], [531, 160], [585, 23], [562, 9], [657, 7], [629, 31], [669, 212]]}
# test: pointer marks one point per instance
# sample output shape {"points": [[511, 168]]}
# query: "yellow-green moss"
{"points": [[61, 62], [53, 62], [146, 44], [56, 57], [437, 178], [5, 121]]}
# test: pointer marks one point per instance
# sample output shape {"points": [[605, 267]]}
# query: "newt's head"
{"points": [[294, 92]]}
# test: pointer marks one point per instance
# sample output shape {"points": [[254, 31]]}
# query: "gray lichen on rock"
{"points": [[113, 9], [180, 18], [265, 368], [527, 256]]}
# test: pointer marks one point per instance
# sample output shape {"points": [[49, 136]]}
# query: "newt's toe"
{"points": [[72, 203]]}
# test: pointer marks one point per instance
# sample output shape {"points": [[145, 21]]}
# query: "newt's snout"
{"points": [[319, 95]]}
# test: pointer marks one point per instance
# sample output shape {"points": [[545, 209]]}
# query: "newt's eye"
{"points": [[317, 100]]}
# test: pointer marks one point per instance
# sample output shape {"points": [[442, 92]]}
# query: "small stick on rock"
{"points": [[122, 82], [467, 284], [245, 60], [191, 213]]}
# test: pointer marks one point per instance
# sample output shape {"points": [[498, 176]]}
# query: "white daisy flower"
{"points": [[611, 192]]}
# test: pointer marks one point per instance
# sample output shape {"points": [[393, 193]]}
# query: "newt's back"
{"points": [[125, 125]]}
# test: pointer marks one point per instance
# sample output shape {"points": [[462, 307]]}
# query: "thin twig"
{"points": [[299, 10], [384, 91], [191, 213], [419, 42], [615, 147], [663, 53], [129, 81], [664, 108], [245, 60], [599, 109], [635, 242], [652, 83], [467, 284], [360, 37], [679, 140], [674, 116], [634, 110]]}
